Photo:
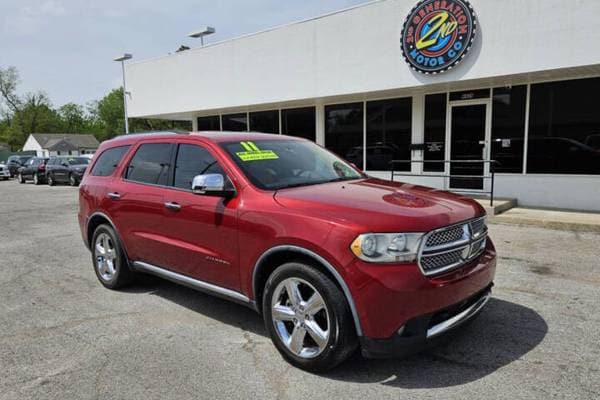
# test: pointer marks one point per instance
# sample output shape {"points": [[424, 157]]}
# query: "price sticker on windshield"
{"points": [[253, 153]]}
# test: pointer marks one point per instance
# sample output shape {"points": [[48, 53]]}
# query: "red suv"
{"points": [[332, 258]]}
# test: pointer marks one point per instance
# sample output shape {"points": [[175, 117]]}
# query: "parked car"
{"points": [[4, 172], [34, 169], [66, 170], [333, 259], [16, 162]]}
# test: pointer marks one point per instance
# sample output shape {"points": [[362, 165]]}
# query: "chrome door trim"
{"points": [[190, 282], [459, 318], [323, 262]]}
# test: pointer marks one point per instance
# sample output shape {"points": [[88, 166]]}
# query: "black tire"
{"points": [[36, 179], [73, 181], [50, 180], [123, 274], [20, 178], [342, 341]]}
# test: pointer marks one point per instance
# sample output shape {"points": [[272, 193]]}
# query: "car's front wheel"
{"points": [[308, 317], [20, 178], [50, 180], [36, 179], [110, 263]]}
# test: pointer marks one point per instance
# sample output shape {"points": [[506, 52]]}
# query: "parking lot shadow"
{"points": [[213, 307], [503, 333]]}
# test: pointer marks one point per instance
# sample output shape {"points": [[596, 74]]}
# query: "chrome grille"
{"points": [[433, 262], [452, 247], [439, 238]]}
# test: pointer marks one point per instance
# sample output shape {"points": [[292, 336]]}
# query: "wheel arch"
{"points": [[278, 255], [96, 219]]}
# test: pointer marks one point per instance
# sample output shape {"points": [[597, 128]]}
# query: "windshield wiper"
{"points": [[294, 185]]}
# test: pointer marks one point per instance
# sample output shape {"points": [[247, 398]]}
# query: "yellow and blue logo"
{"points": [[438, 34]]}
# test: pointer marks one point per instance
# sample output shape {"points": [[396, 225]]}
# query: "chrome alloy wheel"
{"points": [[106, 256], [300, 317]]}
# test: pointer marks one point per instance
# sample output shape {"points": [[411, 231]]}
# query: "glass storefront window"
{"points": [[435, 132], [564, 128], [235, 122], [389, 124], [211, 123], [265, 121], [344, 131], [508, 128], [299, 122]]}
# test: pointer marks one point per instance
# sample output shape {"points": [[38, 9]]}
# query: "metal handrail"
{"points": [[491, 176]]}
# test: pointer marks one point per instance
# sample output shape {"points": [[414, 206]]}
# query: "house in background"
{"points": [[60, 144]]}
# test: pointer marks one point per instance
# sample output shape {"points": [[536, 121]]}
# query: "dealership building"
{"points": [[431, 84]]}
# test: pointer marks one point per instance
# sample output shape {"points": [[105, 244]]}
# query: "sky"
{"points": [[65, 47]]}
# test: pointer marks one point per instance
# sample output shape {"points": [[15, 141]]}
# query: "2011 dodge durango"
{"points": [[333, 259]]}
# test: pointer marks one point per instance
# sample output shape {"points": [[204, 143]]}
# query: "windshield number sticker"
{"points": [[253, 153]]}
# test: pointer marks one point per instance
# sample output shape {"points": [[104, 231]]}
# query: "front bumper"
{"points": [[424, 331], [5, 174]]}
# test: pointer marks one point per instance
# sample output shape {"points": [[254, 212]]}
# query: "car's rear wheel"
{"points": [[20, 178], [110, 263], [36, 179], [308, 317], [50, 180]]}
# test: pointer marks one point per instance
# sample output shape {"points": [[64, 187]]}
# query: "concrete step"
{"points": [[551, 219], [500, 205]]}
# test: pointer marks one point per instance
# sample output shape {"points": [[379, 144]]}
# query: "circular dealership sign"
{"points": [[438, 34]]}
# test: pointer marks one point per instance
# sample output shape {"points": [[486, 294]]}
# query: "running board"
{"points": [[191, 282]]}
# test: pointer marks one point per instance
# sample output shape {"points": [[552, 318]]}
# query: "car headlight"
{"points": [[387, 247]]}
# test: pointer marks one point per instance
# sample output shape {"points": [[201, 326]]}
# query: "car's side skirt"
{"points": [[192, 283]]}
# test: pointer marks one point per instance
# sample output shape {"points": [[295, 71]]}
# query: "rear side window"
{"points": [[108, 161], [151, 164], [194, 160]]}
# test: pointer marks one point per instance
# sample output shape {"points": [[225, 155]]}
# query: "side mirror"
{"points": [[211, 185]]}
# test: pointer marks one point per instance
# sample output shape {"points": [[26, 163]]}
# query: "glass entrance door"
{"points": [[468, 138]]}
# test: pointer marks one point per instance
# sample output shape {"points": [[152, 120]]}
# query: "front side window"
{"points": [[151, 164], [193, 160], [280, 164], [108, 161], [78, 161]]}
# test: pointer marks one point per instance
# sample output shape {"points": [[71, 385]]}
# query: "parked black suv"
{"points": [[66, 170], [34, 169], [15, 162]]}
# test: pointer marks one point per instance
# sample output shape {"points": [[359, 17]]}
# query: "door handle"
{"points": [[173, 206], [114, 195]]}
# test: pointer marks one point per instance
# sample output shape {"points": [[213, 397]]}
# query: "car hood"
{"points": [[381, 206]]}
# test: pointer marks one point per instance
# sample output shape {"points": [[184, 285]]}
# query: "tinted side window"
{"points": [[108, 161], [151, 164], [194, 160]]}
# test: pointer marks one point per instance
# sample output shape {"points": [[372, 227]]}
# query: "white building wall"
{"points": [[32, 145], [357, 51]]}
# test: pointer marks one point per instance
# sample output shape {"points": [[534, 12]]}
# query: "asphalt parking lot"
{"points": [[63, 336]]}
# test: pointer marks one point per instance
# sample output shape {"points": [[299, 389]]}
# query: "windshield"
{"points": [[78, 160], [279, 164]]}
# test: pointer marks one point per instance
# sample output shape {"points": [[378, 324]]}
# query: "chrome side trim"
{"points": [[459, 318], [323, 262], [190, 282]]}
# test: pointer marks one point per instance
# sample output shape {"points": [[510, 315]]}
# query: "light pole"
{"points": [[122, 58], [207, 30]]}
